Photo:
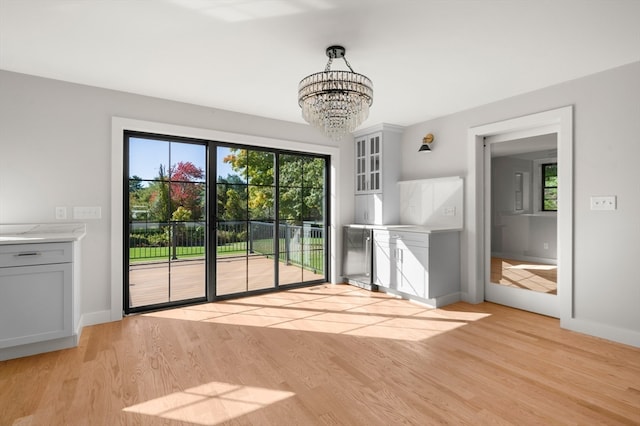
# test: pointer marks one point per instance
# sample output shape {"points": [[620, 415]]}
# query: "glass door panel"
{"points": [[166, 250]]}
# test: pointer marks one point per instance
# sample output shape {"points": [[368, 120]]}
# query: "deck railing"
{"points": [[297, 244]]}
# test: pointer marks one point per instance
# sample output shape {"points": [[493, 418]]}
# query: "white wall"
{"points": [[606, 154], [55, 150], [519, 235]]}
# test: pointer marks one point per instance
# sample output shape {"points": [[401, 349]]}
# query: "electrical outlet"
{"points": [[61, 213], [449, 211], [603, 203], [545, 246], [87, 212]]}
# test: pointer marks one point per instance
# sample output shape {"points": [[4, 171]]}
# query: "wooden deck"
{"points": [[149, 282]]}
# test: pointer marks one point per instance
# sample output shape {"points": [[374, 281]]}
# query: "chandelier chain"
{"points": [[330, 61], [328, 67]]}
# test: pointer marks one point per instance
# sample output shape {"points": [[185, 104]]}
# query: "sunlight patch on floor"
{"points": [[533, 267], [330, 309], [211, 403]]}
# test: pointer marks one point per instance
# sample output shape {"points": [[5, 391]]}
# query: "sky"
{"points": [[146, 156]]}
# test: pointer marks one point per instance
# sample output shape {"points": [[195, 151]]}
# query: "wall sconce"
{"points": [[425, 142]]}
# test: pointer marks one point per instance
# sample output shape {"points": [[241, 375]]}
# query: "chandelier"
{"points": [[336, 102]]}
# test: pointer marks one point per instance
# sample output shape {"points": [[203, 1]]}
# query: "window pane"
{"points": [[551, 199], [313, 258], [290, 246], [187, 201], [261, 167], [313, 172], [261, 262], [261, 206], [291, 204], [290, 170], [550, 175], [231, 263], [231, 165], [148, 158], [313, 205], [188, 162], [231, 202]]}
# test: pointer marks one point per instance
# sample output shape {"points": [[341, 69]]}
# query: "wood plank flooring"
{"points": [[327, 355], [525, 275]]}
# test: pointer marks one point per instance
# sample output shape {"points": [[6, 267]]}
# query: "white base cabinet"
{"points": [[420, 266], [38, 298]]}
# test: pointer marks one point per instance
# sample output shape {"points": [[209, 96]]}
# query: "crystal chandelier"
{"points": [[336, 102]]}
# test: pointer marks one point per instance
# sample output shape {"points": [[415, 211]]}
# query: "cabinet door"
{"points": [[412, 269], [362, 209], [35, 303], [361, 166], [384, 262], [375, 162], [369, 209]]}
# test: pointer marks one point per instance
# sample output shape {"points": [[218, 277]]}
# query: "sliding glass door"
{"points": [[270, 227], [302, 227], [166, 215], [259, 226]]}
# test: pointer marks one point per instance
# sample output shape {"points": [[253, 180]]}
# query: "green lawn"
{"points": [[145, 254]]}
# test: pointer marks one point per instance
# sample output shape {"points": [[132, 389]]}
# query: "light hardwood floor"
{"points": [[525, 275], [327, 355]]}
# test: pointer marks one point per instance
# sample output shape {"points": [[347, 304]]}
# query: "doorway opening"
{"points": [[480, 221], [523, 209]]}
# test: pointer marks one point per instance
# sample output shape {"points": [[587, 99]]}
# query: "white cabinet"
{"points": [[368, 208], [377, 170], [421, 266], [37, 296], [368, 163]]}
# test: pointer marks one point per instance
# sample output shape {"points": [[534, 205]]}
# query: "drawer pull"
{"points": [[31, 253]]}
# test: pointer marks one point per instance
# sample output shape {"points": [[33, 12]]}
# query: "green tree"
{"points": [[232, 198], [301, 181]]}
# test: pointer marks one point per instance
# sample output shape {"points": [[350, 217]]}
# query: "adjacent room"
{"points": [[319, 212]]}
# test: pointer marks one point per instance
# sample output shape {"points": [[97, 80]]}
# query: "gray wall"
{"points": [[520, 235], [606, 152], [55, 150]]}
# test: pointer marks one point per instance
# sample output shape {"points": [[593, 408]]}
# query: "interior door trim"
{"points": [[475, 195]]}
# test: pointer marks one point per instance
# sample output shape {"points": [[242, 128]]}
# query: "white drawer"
{"points": [[410, 238], [34, 254]]}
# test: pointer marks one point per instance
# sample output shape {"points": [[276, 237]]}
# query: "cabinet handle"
{"points": [[31, 253]]}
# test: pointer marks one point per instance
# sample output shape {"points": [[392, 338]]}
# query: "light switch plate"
{"points": [[87, 212], [603, 203]]}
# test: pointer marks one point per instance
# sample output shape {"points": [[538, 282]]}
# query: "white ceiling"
{"points": [[427, 58]]}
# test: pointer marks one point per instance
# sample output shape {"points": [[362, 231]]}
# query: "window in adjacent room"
{"points": [[549, 191]]}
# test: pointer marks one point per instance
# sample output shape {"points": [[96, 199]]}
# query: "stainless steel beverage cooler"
{"points": [[357, 257]]}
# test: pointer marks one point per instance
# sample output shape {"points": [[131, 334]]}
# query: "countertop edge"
{"points": [[11, 234], [404, 228]]}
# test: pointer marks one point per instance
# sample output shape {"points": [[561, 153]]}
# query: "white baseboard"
{"points": [[38, 347], [437, 302], [523, 258], [604, 331], [93, 318]]}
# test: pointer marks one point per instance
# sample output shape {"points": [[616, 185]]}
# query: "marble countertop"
{"points": [[404, 228], [41, 233]]}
